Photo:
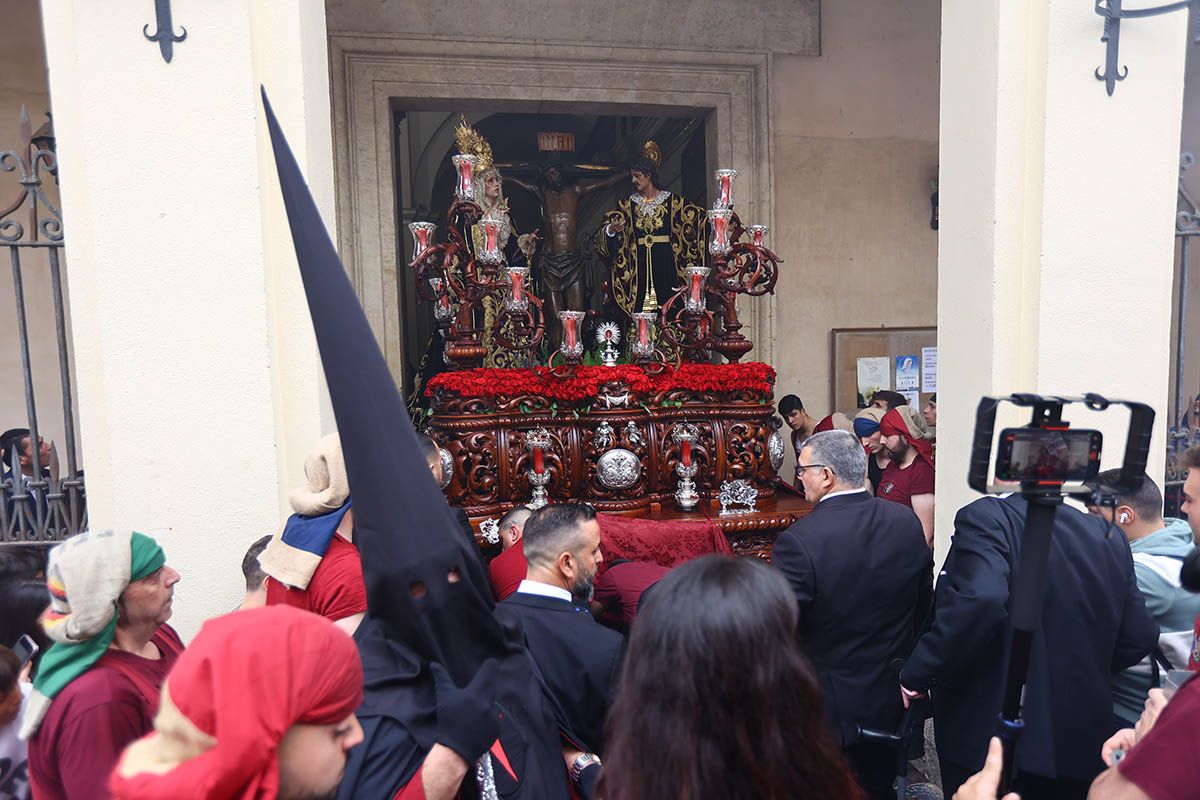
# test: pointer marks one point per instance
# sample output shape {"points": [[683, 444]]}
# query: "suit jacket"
{"points": [[862, 575], [1094, 624], [578, 658]]}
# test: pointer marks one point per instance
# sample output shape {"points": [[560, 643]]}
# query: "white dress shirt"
{"points": [[844, 491], [544, 589]]}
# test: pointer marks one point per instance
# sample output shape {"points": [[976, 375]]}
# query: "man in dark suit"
{"points": [[1094, 624], [862, 575], [578, 658]]}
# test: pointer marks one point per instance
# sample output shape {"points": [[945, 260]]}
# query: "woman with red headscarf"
{"points": [[908, 479], [260, 706]]}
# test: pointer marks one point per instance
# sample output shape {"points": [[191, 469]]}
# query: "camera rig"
{"points": [[1044, 498], [1047, 415]]}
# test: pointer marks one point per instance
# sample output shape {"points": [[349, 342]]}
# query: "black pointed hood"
{"points": [[408, 539]]}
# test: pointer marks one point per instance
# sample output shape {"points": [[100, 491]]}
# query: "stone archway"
{"points": [[371, 74]]}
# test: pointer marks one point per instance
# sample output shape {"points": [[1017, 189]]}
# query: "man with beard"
{"points": [[578, 658], [908, 477]]}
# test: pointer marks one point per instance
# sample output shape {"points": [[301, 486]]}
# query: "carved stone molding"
{"points": [[372, 74]]}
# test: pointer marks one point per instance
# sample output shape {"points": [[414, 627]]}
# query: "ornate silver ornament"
{"points": [[604, 435], [447, 466], [618, 469], [490, 530], [775, 450], [632, 434], [739, 493]]}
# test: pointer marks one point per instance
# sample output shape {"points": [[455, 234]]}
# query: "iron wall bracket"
{"points": [[1113, 14]]}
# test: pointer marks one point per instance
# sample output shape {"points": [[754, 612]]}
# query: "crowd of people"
{"points": [[378, 654], [718, 678]]}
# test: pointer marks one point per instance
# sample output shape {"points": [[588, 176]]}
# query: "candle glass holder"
{"points": [[718, 218], [642, 346], [725, 187], [464, 166], [696, 277], [537, 441], [572, 342], [490, 253], [422, 233], [686, 496], [443, 307], [517, 301], [757, 232]]}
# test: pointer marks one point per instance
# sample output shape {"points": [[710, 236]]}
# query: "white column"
{"points": [[198, 377], [1057, 212]]}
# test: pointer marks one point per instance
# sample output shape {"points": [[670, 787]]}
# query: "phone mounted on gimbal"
{"points": [[1047, 457], [1045, 461]]}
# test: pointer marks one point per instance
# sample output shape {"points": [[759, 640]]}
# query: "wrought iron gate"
{"points": [[41, 499], [1183, 430]]}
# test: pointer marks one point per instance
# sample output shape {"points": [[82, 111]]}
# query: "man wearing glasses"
{"points": [[862, 575]]}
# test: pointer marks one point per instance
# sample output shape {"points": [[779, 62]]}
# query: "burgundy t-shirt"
{"points": [[622, 586], [1166, 763], [507, 570], [94, 718], [336, 590], [901, 485]]}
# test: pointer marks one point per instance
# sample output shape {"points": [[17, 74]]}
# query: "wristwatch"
{"points": [[581, 763]]}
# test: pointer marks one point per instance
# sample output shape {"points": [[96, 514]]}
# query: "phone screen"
{"points": [[25, 649], [1039, 454]]}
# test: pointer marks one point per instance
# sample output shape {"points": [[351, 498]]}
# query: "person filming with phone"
{"points": [[1093, 619]]}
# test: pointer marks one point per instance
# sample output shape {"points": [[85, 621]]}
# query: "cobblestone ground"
{"points": [[924, 776]]}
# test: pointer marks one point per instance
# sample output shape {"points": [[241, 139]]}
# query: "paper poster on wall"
{"points": [[929, 369], [908, 374], [913, 397], [873, 374]]}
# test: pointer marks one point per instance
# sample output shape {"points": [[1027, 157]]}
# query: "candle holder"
{"points": [[719, 219], [443, 308], [757, 232], [642, 346], [422, 233], [517, 301], [537, 441], [490, 253], [572, 342], [725, 187], [464, 166], [695, 302], [686, 497], [608, 336]]}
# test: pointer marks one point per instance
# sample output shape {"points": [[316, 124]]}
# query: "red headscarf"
{"points": [[835, 421], [247, 677], [900, 421]]}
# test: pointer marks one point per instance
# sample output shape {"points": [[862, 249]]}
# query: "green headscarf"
{"points": [[66, 661]]}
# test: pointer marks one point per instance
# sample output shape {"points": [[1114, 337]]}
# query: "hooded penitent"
{"points": [[86, 576], [902, 421], [245, 680], [428, 596]]}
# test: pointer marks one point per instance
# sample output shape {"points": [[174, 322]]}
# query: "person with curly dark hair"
{"points": [[716, 699]]}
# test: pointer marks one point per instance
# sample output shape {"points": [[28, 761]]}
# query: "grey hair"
{"points": [[842, 453]]}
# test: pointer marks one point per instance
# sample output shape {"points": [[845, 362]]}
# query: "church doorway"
{"points": [[591, 149]]}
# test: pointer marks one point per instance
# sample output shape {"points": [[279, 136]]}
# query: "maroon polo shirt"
{"points": [[620, 587], [507, 570]]}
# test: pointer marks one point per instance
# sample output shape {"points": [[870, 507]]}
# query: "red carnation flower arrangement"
{"points": [[585, 382]]}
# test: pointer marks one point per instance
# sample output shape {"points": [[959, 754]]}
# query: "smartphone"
{"points": [[1046, 455], [25, 649]]}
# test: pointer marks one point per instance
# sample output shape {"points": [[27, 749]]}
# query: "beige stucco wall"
{"points": [[855, 153], [198, 375], [23, 82]]}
